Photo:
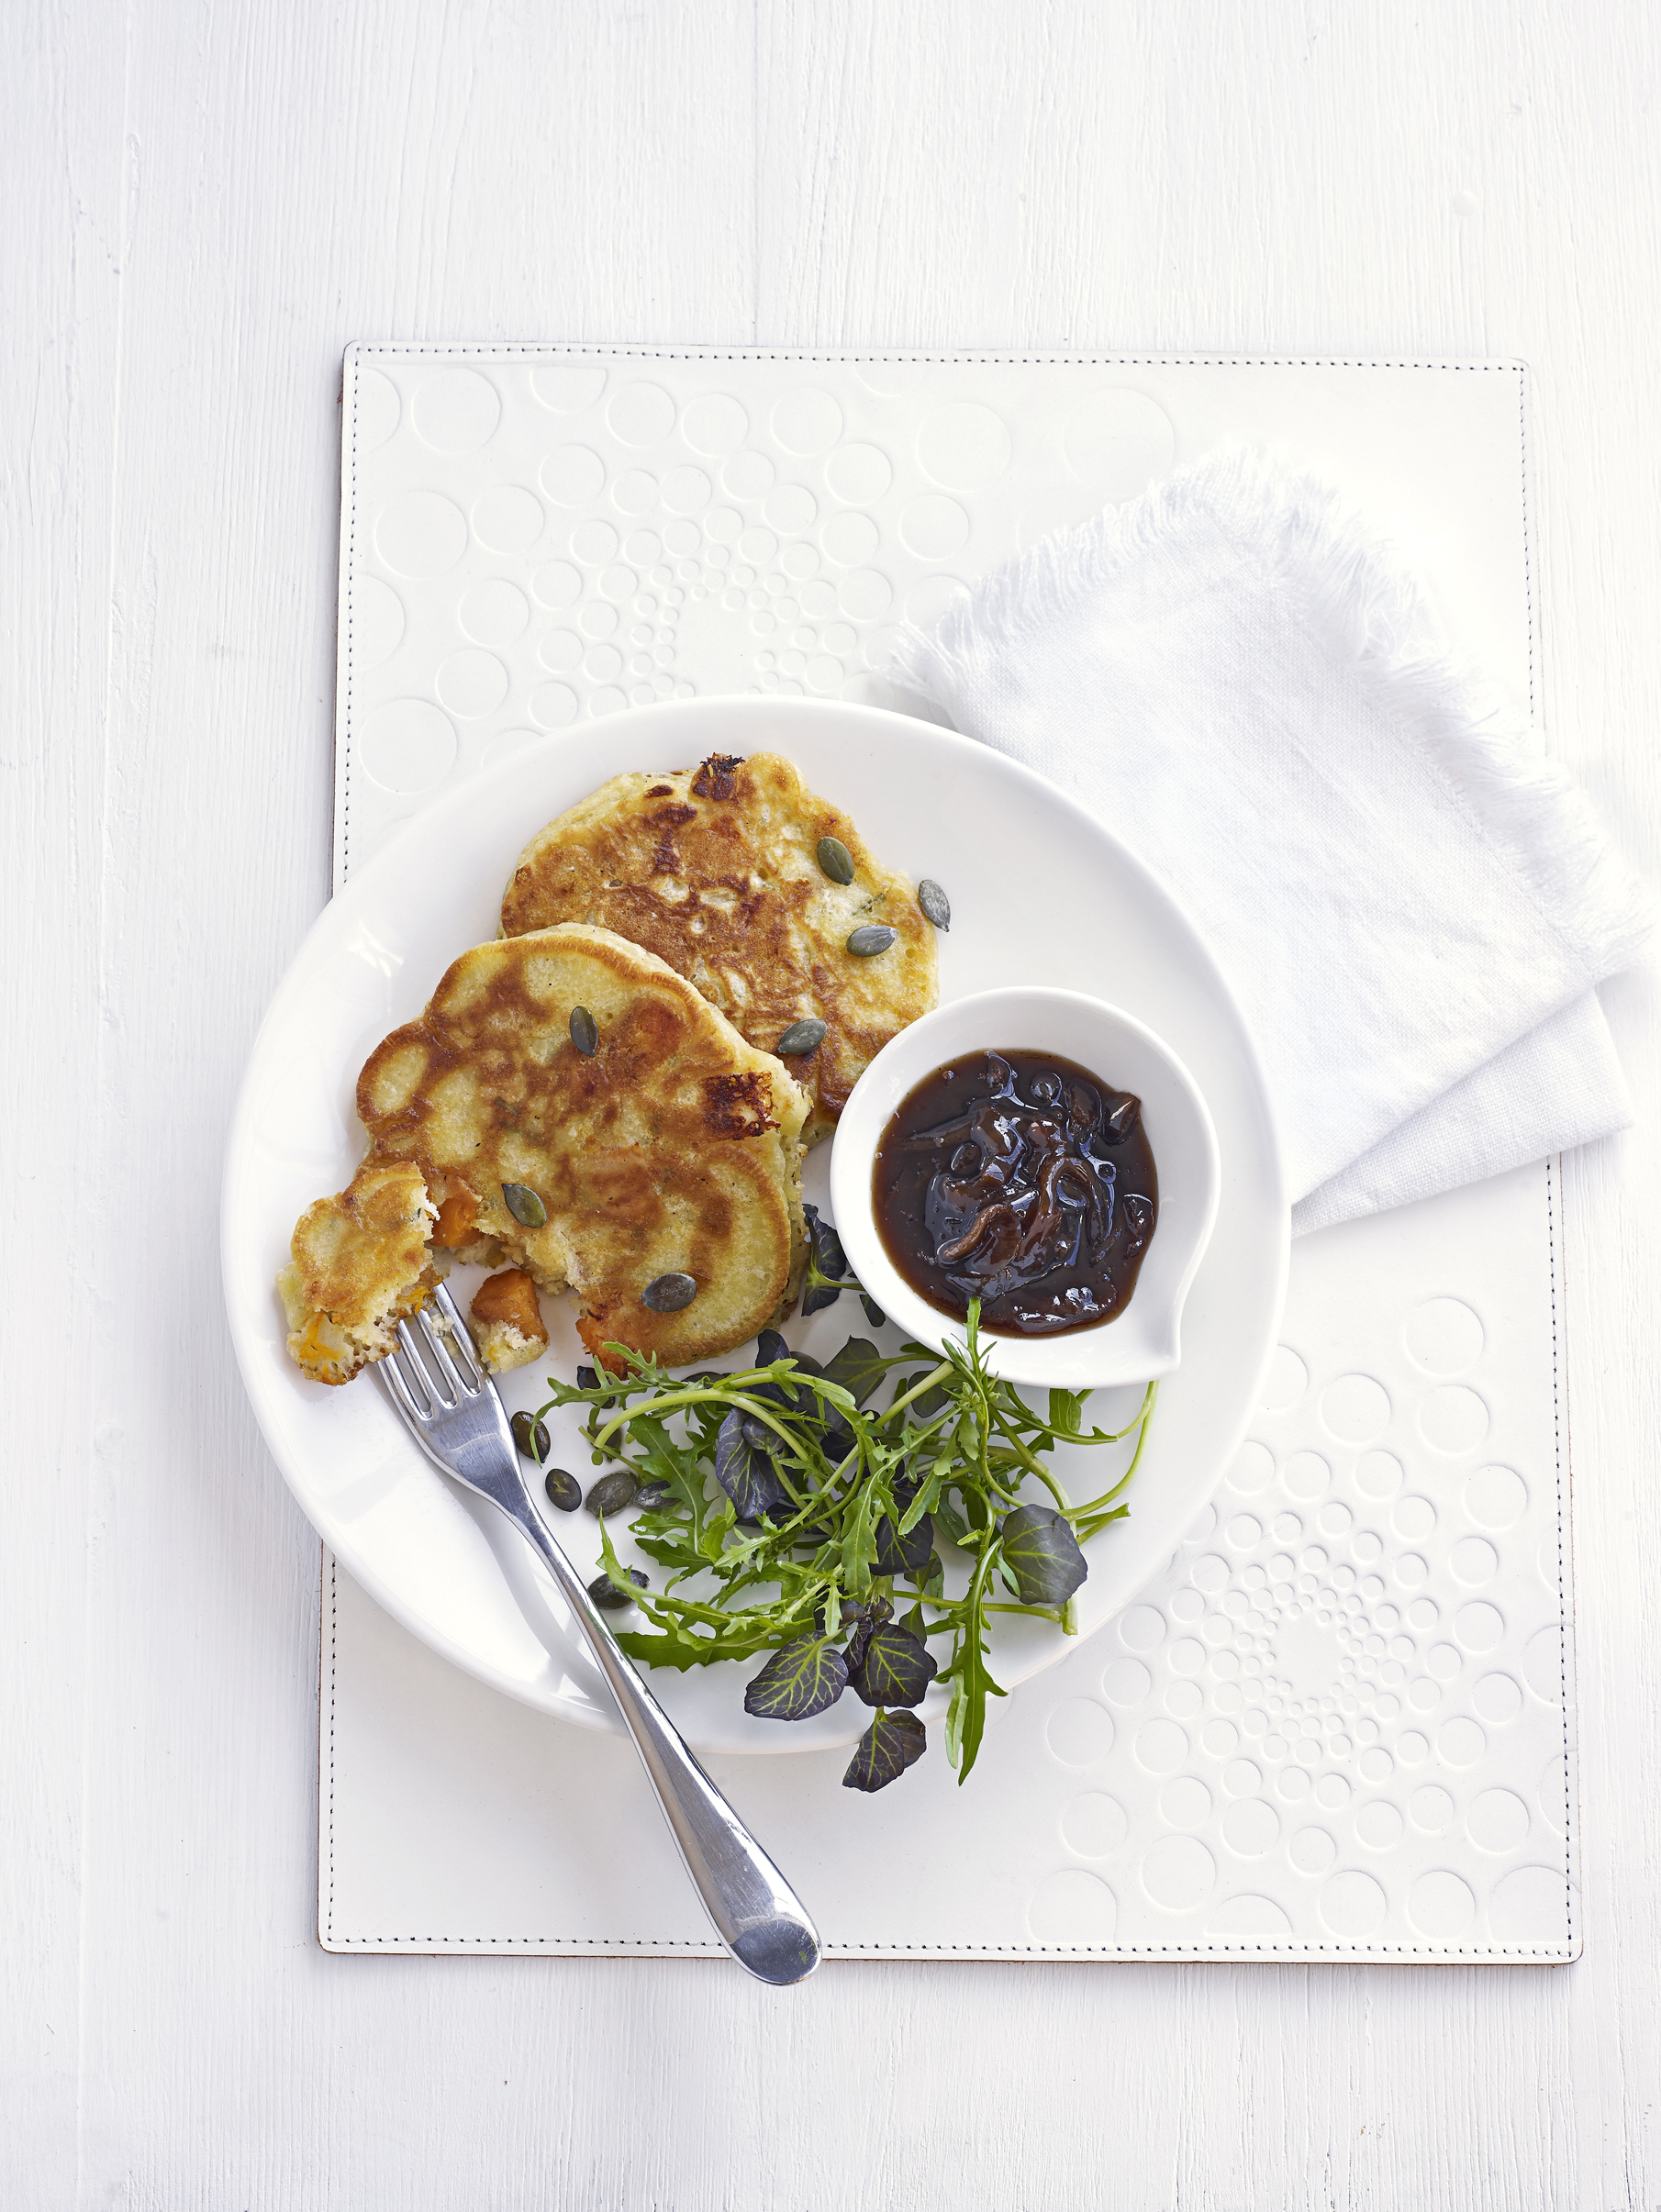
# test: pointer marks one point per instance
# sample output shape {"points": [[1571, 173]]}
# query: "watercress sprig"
{"points": [[793, 1517]]}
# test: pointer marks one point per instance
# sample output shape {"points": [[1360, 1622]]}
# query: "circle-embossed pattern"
{"points": [[1314, 1691], [1343, 1640]]}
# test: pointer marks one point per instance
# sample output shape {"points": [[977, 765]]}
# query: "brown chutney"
{"points": [[1022, 1180]]}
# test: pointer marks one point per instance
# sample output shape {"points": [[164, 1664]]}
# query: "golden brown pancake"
{"points": [[673, 1148], [715, 868], [358, 1263]]}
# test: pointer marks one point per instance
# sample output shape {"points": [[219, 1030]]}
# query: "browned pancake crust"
{"points": [[715, 870], [359, 1264], [673, 1149]]}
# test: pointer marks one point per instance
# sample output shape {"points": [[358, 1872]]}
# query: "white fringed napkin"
{"points": [[1412, 906]]}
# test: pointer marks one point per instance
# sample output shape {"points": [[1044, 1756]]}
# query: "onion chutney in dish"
{"points": [[1020, 1179]]}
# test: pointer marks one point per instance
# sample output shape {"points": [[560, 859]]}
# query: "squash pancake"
{"points": [[358, 1264], [672, 1149], [715, 870]]}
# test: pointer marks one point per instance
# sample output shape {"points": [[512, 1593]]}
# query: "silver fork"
{"points": [[452, 1408]]}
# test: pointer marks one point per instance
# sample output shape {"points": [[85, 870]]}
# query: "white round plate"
{"points": [[1041, 893]]}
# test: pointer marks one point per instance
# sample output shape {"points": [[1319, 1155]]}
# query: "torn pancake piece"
{"points": [[508, 1324], [660, 1145], [359, 1262]]}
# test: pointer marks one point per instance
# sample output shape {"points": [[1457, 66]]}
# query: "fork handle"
{"points": [[756, 1913]]}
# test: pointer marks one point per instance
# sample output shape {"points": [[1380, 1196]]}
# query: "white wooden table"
{"points": [[233, 195]]}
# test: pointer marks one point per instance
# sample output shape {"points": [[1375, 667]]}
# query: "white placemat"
{"points": [[1341, 1725]]}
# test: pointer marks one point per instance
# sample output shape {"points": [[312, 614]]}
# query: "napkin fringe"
{"points": [[1353, 585]]}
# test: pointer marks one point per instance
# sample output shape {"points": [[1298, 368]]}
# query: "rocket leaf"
{"points": [[782, 1504]]}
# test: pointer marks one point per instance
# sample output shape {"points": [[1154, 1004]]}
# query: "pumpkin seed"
{"points": [[668, 1294], [584, 1031], [524, 1205], [934, 903], [835, 860], [652, 1496], [870, 937], [799, 1037], [530, 1436], [563, 1490], [613, 1493], [605, 1594]]}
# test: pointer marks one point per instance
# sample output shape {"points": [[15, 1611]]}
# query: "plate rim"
{"points": [[386, 863]]}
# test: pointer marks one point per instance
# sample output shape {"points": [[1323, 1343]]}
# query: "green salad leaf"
{"points": [[797, 1520]]}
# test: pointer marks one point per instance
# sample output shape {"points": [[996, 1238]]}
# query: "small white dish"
{"points": [[1145, 1339]]}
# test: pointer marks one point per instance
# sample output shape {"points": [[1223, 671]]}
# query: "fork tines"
{"points": [[434, 1370]]}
